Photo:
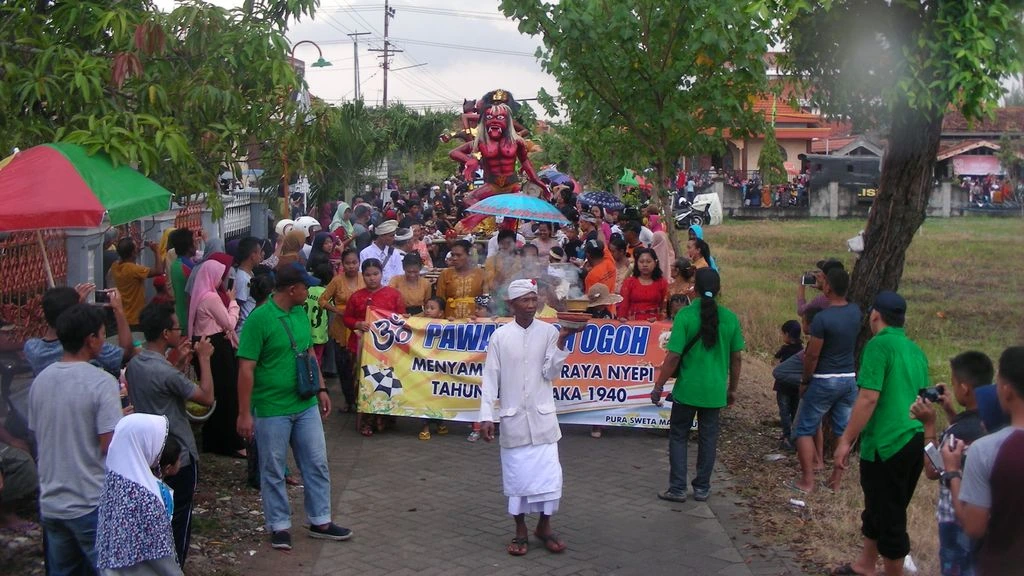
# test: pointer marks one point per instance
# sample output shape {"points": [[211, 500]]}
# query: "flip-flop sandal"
{"points": [[366, 431], [791, 484], [552, 542], [845, 570], [518, 546]]}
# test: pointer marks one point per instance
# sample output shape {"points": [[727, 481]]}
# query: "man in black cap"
{"points": [[269, 406], [893, 371], [821, 300]]}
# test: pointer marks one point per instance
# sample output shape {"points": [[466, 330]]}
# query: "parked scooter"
{"points": [[687, 214]]}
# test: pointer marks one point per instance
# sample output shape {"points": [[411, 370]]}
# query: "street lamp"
{"points": [[320, 63]]}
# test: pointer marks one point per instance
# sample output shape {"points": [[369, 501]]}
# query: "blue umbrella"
{"points": [[555, 177], [605, 200], [518, 206]]}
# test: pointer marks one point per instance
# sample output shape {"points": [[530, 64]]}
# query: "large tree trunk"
{"points": [[899, 208], [667, 221]]}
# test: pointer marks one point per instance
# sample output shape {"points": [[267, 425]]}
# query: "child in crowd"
{"points": [[969, 371], [483, 308], [170, 463], [163, 291], [677, 302], [434, 308], [787, 395], [415, 289], [317, 313]]}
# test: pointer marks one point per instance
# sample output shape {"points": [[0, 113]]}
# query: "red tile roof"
{"points": [[1009, 119]]}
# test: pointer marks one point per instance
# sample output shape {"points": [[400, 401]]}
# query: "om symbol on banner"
{"points": [[389, 331]]}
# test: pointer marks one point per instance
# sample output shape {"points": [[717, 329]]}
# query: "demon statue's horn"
{"points": [[500, 96]]}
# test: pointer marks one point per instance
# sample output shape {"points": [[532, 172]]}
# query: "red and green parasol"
{"points": [[61, 186]]}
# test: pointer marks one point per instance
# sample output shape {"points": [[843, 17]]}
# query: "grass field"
{"points": [[963, 284]]}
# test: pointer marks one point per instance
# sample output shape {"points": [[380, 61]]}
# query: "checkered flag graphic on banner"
{"points": [[383, 380]]}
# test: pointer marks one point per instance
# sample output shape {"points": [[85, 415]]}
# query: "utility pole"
{"points": [[355, 52], [387, 52]]}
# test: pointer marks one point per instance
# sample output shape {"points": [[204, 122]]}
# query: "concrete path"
{"points": [[436, 507]]}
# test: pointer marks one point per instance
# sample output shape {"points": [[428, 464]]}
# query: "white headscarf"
{"points": [[136, 447], [523, 287]]}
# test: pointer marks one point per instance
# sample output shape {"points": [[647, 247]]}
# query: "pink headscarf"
{"points": [[208, 278], [666, 255]]}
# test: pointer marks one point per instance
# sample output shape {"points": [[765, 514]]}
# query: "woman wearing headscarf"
{"points": [[133, 532], [321, 251], [341, 224], [213, 312], [703, 355], [663, 249], [291, 248], [696, 232]]}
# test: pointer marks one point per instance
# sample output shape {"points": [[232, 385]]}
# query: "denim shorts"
{"points": [[823, 395]]}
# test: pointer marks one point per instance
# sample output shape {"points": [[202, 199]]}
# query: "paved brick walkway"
{"points": [[436, 507]]}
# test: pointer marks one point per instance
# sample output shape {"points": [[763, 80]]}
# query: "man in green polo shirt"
{"points": [[269, 406], [703, 355], [893, 371]]}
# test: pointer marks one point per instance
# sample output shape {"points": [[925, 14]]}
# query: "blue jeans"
{"points": [[71, 545], [955, 555], [707, 442], [305, 432], [823, 395], [787, 400]]}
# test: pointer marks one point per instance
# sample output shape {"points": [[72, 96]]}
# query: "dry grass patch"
{"points": [[963, 284]]}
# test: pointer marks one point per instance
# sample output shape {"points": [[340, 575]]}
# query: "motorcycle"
{"points": [[687, 214]]}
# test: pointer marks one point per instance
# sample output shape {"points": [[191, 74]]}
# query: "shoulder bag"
{"points": [[306, 370]]}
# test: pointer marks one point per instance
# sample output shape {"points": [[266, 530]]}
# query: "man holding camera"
{"points": [[893, 372], [817, 280]]}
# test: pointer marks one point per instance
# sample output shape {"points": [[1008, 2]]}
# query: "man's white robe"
{"points": [[520, 367]]}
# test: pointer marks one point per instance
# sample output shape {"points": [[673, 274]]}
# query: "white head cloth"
{"points": [[521, 288], [136, 446]]}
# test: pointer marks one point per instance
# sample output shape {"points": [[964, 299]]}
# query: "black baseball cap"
{"points": [[292, 274], [829, 263], [891, 304]]}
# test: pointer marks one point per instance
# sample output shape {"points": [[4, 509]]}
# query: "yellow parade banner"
{"points": [[427, 368]]}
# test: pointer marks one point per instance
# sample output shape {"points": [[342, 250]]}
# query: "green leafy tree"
{"points": [[179, 94], [901, 64], [770, 164], [673, 75], [593, 155]]}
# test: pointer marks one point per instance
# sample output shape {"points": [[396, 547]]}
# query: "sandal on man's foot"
{"points": [[366, 431], [518, 547], [425, 435], [552, 542], [442, 429]]}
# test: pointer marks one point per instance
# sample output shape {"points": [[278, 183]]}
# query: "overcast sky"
{"points": [[500, 57]]}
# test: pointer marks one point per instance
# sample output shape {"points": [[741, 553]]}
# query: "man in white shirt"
{"points": [[523, 357], [382, 248]]}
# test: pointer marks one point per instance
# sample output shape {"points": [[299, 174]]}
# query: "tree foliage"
{"points": [[595, 156], [901, 64], [770, 165], [179, 94], [675, 75]]}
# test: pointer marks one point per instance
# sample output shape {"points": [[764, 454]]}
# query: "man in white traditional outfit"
{"points": [[523, 357]]}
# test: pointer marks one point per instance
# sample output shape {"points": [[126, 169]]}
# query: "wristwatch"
{"points": [[324, 390], [946, 477]]}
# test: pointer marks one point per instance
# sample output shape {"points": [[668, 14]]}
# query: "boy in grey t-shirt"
{"points": [[73, 408]]}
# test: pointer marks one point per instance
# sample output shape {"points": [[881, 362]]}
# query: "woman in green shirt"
{"points": [[703, 355]]}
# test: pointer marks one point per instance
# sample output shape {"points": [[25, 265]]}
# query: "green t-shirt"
{"points": [[317, 315], [703, 378], [265, 341], [178, 281], [897, 368]]}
